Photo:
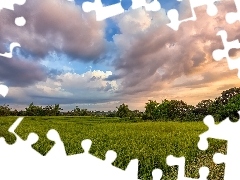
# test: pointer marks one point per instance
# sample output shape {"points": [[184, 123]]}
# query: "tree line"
{"points": [[223, 106]]}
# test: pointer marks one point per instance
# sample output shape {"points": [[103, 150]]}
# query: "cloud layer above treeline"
{"points": [[146, 60]]}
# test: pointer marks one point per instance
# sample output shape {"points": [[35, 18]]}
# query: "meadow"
{"points": [[149, 142]]}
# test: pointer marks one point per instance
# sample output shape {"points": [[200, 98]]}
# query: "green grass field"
{"points": [[149, 142]]}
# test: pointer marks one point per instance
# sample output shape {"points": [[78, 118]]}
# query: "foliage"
{"points": [[80, 112], [226, 105], [149, 142], [202, 107], [231, 109], [5, 110], [50, 110], [151, 110], [167, 110], [33, 110], [227, 95], [123, 111]]}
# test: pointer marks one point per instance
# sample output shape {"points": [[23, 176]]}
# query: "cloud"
{"points": [[67, 88], [54, 25], [152, 56], [54, 29], [21, 73], [151, 61]]}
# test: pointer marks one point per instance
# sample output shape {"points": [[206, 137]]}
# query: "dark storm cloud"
{"points": [[17, 72], [50, 100]]}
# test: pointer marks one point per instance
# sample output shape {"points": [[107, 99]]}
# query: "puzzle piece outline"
{"points": [[173, 14], [57, 155], [232, 17], [180, 162], [19, 21], [215, 131], [104, 12], [219, 54], [9, 4]]}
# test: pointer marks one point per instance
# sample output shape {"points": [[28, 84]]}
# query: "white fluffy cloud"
{"points": [[68, 88]]}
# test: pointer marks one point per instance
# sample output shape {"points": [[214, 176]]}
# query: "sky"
{"points": [[68, 58]]}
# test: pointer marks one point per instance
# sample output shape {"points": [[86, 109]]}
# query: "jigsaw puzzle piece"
{"points": [[3, 90], [58, 149], [13, 156], [57, 158], [173, 14], [152, 6], [231, 161], [103, 169], [20, 21], [3, 147], [232, 17], [6, 136], [216, 131], [229, 131], [24, 147], [132, 169], [180, 162], [157, 174], [12, 46], [224, 53], [9, 4], [102, 12], [211, 6]]}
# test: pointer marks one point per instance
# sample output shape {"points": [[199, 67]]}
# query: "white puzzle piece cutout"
{"points": [[180, 162], [3, 90], [229, 131], [19, 21], [152, 6], [173, 14], [9, 4], [102, 12], [232, 17], [12, 46], [27, 162], [224, 53]]}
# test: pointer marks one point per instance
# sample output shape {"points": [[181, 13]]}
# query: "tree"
{"points": [[231, 109], [136, 113], [218, 107], [151, 110], [33, 110], [202, 107], [52, 110], [173, 109], [123, 111], [111, 114], [169, 110], [5, 110], [227, 95], [56, 110]]}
